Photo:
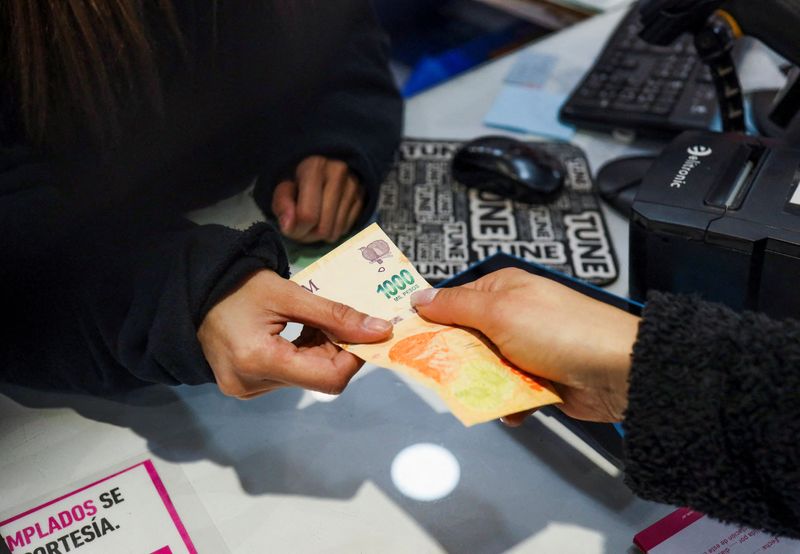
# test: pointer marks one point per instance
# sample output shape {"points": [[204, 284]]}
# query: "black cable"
{"points": [[714, 44]]}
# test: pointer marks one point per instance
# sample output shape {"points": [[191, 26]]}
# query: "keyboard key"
{"points": [[646, 99], [607, 94], [661, 108], [630, 107], [704, 75], [668, 97], [627, 96], [597, 80]]}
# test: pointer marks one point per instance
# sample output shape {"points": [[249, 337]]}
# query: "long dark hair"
{"points": [[78, 64]]}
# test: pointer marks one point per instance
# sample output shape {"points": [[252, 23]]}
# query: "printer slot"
{"points": [[730, 191], [793, 205]]}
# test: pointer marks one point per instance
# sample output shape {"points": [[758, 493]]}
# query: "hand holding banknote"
{"points": [[370, 273], [582, 346], [240, 337]]}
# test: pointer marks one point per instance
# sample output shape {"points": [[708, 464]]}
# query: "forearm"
{"points": [[714, 413], [127, 314], [356, 116]]}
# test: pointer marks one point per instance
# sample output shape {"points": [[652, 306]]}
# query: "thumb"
{"points": [[284, 202], [463, 306], [337, 320]]}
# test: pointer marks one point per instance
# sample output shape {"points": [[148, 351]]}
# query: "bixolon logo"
{"points": [[700, 151], [691, 163]]}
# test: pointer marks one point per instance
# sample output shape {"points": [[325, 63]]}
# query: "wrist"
{"points": [[619, 369]]}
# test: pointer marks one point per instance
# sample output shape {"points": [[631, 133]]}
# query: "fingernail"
{"points": [[284, 222], [423, 297], [377, 325]]}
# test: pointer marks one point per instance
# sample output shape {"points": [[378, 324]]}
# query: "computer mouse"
{"points": [[509, 168], [619, 180]]}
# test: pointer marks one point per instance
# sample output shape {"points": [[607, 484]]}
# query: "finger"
{"points": [[310, 180], [336, 319], [315, 342], [335, 179], [349, 197], [257, 391], [247, 380], [504, 279], [516, 420], [284, 202], [278, 363], [311, 337], [328, 374], [465, 306], [355, 212]]}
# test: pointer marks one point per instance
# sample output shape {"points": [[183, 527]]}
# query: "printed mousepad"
{"points": [[444, 227]]}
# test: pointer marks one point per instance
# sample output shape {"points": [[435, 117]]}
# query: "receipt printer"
{"points": [[719, 215]]}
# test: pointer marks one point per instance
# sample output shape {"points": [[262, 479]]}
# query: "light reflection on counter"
{"points": [[425, 472]]}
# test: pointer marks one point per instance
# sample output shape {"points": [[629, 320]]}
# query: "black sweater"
{"points": [[102, 281], [713, 420]]}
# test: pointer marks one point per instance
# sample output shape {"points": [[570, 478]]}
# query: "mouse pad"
{"points": [[444, 227]]}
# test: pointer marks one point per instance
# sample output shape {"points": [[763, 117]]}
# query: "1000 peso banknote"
{"points": [[369, 273]]}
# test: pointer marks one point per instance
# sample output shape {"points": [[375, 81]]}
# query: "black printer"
{"points": [[719, 215]]}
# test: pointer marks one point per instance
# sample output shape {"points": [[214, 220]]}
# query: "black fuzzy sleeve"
{"points": [[713, 420]]}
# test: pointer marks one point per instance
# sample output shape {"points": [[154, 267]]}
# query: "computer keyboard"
{"points": [[651, 90]]}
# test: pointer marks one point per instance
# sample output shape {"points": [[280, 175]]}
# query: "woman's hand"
{"points": [[240, 337], [582, 345], [321, 204]]}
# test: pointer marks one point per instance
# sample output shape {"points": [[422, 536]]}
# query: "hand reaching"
{"points": [[580, 344], [240, 337]]}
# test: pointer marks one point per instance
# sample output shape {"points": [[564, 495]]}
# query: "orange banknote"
{"points": [[369, 273]]}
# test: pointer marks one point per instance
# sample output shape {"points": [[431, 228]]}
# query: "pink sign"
{"points": [[129, 507]]}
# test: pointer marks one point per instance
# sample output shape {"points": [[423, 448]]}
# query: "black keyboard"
{"points": [[651, 90]]}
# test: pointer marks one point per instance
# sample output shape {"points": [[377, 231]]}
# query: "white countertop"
{"points": [[290, 473]]}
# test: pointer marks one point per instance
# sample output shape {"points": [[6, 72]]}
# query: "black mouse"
{"points": [[509, 168], [619, 180]]}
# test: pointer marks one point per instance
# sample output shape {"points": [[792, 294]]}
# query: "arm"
{"points": [[105, 302], [713, 417], [356, 119], [102, 305], [710, 398]]}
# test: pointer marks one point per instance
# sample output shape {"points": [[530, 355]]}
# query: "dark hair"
{"points": [[78, 64]]}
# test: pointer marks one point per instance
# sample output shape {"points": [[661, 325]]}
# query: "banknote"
{"points": [[369, 273]]}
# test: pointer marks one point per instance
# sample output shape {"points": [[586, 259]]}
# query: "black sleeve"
{"points": [[713, 420], [357, 117], [105, 302]]}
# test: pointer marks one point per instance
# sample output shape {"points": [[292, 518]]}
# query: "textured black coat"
{"points": [[714, 413], [102, 282]]}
